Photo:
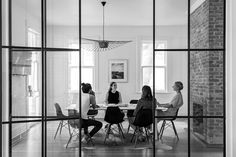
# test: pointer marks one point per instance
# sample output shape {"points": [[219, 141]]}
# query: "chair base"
{"points": [[166, 125]]}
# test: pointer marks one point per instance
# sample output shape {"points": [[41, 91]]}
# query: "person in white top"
{"points": [[175, 104], [86, 100]]}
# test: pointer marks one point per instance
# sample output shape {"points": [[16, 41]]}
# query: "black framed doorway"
{"points": [[192, 49]]}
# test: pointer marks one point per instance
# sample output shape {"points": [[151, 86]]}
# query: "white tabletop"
{"points": [[121, 106]]}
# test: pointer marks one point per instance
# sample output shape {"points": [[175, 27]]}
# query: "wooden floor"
{"points": [[31, 145]]}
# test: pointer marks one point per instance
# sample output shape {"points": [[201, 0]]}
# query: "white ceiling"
{"points": [[117, 12]]}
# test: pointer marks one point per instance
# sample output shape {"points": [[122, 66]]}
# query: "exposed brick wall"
{"points": [[206, 73]]}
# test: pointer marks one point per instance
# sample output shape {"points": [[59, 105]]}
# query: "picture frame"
{"points": [[118, 70]]}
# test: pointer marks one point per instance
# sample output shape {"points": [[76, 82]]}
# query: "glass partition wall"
{"points": [[43, 64]]}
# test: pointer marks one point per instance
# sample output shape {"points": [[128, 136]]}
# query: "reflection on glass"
{"points": [[207, 24], [147, 53], [26, 83], [5, 141], [171, 23], [4, 22], [26, 23], [62, 23], [207, 137], [160, 80], [26, 139], [206, 83], [169, 141]]}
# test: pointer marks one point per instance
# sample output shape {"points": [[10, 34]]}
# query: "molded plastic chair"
{"points": [[167, 122], [59, 115], [92, 113], [74, 126], [114, 116], [130, 112], [143, 119]]}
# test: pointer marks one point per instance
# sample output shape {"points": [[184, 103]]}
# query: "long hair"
{"points": [[111, 84], [146, 92], [85, 87]]}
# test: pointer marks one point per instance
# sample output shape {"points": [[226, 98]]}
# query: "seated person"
{"points": [[175, 104], [113, 96], [91, 92], [145, 102], [86, 100]]}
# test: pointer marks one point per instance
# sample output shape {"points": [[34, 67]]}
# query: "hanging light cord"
{"points": [[103, 4]]}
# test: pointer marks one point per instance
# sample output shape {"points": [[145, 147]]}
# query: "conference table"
{"points": [[126, 107], [121, 106]]}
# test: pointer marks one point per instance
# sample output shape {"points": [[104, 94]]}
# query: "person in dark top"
{"points": [[113, 96], [145, 102]]}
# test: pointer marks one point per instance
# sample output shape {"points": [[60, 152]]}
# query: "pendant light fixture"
{"points": [[102, 45]]}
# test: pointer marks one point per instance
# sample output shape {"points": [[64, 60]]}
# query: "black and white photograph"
{"points": [[118, 70], [118, 78]]}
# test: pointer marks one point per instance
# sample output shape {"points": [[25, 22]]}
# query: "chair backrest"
{"points": [[133, 101], [74, 123], [114, 115], [143, 118], [58, 110], [176, 114]]}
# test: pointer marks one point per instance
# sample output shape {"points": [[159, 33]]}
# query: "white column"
{"points": [[231, 78]]}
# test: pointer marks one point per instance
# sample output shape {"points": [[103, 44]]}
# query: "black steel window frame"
{"points": [[44, 49]]}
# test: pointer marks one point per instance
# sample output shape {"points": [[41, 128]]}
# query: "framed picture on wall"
{"points": [[118, 70]]}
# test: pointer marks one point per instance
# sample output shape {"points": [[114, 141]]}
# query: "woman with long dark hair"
{"points": [[145, 102], [113, 96]]}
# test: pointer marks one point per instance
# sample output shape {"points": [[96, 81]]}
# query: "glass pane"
{"points": [[88, 58], [26, 23], [176, 70], [169, 144], [171, 23], [27, 139], [87, 75], [147, 54], [206, 83], [59, 80], [207, 24], [57, 139], [5, 141], [26, 83], [74, 58], [74, 79], [207, 137], [160, 79], [4, 14], [5, 86], [63, 23]]}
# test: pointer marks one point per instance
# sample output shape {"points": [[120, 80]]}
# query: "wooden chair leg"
{"points": [[162, 128], [59, 126], [176, 134], [133, 134], [121, 131], [146, 132], [136, 139], [71, 134], [128, 129], [107, 133]]}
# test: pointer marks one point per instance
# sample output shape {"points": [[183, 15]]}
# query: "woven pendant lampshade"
{"points": [[101, 45]]}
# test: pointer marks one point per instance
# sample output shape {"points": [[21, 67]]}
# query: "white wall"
{"points": [[177, 61], [231, 78]]}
